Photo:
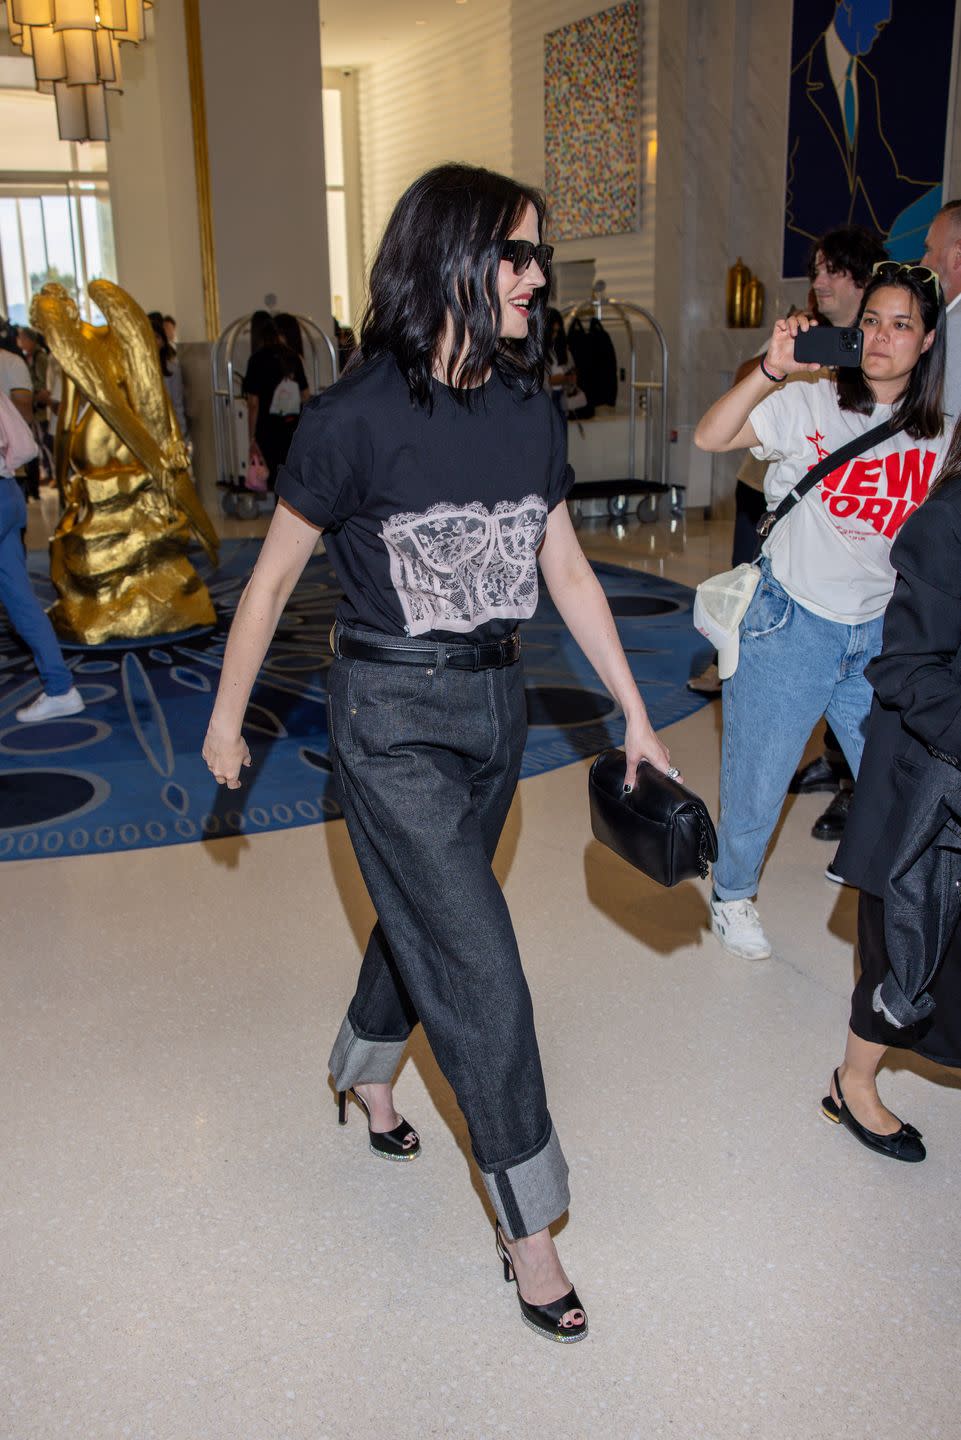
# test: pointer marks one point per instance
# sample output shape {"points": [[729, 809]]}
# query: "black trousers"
{"points": [[939, 1036]]}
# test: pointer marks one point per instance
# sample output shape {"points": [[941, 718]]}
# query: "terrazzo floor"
{"points": [[194, 1250]]}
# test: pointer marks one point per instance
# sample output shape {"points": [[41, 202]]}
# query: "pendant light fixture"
{"points": [[75, 48]]}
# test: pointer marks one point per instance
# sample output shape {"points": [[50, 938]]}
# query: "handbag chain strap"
{"points": [[702, 860]]}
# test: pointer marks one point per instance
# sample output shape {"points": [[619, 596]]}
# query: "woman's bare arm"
{"points": [[288, 546]]}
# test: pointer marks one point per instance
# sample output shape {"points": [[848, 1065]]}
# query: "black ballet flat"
{"points": [[547, 1320], [904, 1144], [388, 1144]]}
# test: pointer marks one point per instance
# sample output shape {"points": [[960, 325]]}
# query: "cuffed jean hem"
{"points": [[722, 892], [356, 1061], [529, 1195]]}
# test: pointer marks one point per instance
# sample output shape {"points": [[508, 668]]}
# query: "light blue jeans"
{"points": [[27, 615], [794, 668]]}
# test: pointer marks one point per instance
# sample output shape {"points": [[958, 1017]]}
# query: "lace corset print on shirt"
{"points": [[456, 567]]}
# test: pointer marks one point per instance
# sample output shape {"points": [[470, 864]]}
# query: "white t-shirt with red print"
{"points": [[831, 552]]}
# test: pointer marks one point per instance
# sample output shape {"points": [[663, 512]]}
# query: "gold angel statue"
{"points": [[119, 558]]}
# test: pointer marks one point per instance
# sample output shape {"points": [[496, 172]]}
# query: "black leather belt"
{"points": [[441, 655]]}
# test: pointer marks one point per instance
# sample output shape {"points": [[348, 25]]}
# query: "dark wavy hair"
{"points": [[919, 408], [439, 258], [951, 469], [850, 248]]}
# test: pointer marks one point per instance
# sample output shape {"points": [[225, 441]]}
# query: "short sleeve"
{"points": [[770, 423], [17, 376], [317, 479], [561, 476]]}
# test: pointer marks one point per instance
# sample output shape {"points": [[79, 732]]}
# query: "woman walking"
{"points": [[908, 788], [815, 619], [437, 470]]}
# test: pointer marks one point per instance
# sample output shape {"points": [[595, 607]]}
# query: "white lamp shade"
{"points": [[75, 15], [49, 61], [81, 112], [30, 12], [135, 29], [80, 50], [116, 83], [107, 50], [113, 14]]}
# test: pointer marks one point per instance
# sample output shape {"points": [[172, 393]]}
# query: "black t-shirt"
{"points": [[432, 520]]}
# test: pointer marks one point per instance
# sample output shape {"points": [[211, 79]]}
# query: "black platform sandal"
{"points": [[904, 1144], [401, 1143], [547, 1320]]}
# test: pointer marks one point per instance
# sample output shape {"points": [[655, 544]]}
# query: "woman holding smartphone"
{"points": [[913, 750], [815, 619], [437, 470]]}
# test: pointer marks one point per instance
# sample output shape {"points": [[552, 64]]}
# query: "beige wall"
{"points": [[265, 127], [444, 98], [152, 184]]}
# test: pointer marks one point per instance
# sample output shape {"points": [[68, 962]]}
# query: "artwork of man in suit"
{"points": [[842, 168]]}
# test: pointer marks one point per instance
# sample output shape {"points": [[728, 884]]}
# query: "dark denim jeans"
{"points": [[428, 760], [27, 615]]}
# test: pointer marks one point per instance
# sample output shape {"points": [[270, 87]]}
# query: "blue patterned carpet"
{"points": [[127, 773]]}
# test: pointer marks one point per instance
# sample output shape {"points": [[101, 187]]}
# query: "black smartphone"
{"points": [[829, 345]]}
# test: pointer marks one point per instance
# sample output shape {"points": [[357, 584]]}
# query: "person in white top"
{"points": [[815, 619], [942, 251], [59, 695]]}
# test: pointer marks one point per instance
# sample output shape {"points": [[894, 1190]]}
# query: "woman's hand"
{"points": [[640, 743], [780, 351], [226, 756]]}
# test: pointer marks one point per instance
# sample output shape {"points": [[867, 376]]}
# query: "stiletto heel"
{"points": [[547, 1320], [401, 1143], [904, 1144]]}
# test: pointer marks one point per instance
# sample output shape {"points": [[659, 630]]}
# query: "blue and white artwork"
{"points": [[870, 83]]}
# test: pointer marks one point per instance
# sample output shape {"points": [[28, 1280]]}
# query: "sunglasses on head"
{"points": [[893, 269], [520, 253]]}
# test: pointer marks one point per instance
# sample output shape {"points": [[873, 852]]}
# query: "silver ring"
{"points": [[673, 773]]}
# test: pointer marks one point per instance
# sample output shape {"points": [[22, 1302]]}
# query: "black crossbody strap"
{"points": [[847, 452]]}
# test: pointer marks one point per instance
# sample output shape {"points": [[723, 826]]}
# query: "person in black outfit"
{"points": [[437, 470], [913, 741], [275, 388]]}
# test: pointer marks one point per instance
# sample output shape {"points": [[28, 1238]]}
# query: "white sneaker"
{"points": [[737, 926], [50, 707]]}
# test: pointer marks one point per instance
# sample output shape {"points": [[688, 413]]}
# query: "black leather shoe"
{"points": [[830, 825], [547, 1320], [401, 1143], [819, 775], [904, 1144]]}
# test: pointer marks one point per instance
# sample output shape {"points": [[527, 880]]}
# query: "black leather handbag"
{"points": [[659, 827]]}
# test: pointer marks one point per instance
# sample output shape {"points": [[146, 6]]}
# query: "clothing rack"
{"points": [[654, 481]]}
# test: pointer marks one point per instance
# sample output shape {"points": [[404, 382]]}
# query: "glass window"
{"points": [[55, 220], [59, 232], [336, 206]]}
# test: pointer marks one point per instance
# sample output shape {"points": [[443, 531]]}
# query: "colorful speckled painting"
{"points": [[591, 124]]}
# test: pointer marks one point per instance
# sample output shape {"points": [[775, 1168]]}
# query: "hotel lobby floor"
{"points": [[194, 1248]]}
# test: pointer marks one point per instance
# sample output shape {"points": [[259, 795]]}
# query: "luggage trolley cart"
{"points": [[648, 395], [230, 410]]}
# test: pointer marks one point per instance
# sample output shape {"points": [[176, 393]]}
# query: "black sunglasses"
{"points": [[520, 253], [892, 269]]}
